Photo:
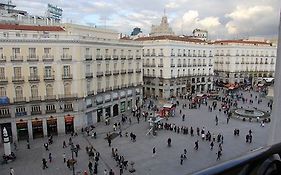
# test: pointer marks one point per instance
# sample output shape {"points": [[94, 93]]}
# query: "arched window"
{"points": [[49, 90], [2, 91], [18, 91], [34, 91]]}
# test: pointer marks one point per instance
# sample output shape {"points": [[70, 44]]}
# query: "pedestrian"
{"points": [[85, 173], [64, 157], [105, 172], [90, 166], [181, 159], [64, 144], [183, 117], [217, 120], [50, 157], [68, 163], [111, 172], [28, 145], [219, 155], [12, 171], [196, 145], [212, 145], [44, 163], [250, 138], [227, 120], [109, 141], [247, 138], [15, 145], [153, 151]]}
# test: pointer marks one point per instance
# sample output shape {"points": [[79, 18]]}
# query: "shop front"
{"points": [[115, 110], [69, 124], [22, 130], [52, 127], [37, 128]]}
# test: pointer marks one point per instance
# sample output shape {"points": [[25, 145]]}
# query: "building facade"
{"points": [[244, 61], [57, 79], [176, 65]]}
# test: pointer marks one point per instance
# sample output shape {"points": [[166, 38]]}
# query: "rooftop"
{"points": [[226, 42], [31, 28], [170, 37]]}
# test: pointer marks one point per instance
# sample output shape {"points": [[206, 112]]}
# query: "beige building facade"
{"points": [[57, 79]]}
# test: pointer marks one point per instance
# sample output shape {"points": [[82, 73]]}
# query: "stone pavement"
{"points": [[167, 159]]}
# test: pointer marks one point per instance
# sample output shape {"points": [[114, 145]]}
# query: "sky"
{"points": [[224, 19]]}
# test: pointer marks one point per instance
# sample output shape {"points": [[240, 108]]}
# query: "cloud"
{"points": [[252, 20], [227, 19]]}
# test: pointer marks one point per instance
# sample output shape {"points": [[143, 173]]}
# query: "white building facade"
{"points": [[244, 61], [175, 65], [59, 79]]}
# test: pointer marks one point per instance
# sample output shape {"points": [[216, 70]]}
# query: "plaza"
{"points": [[166, 160]]}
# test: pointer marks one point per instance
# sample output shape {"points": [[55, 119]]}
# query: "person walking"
{"points": [[12, 171], [50, 157], [153, 151], [183, 117], [44, 163], [212, 145], [64, 144], [196, 145], [109, 141], [64, 157], [105, 172], [111, 172], [217, 120], [181, 159], [28, 145], [219, 155]]}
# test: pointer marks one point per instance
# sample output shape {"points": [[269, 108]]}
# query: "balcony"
{"points": [[34, 78], [131, 85], [172, 54], [36, 112], [7, 115], [179, 55], [35, 98], [123, 57], [88, 57], [172, 65], [130, 57], [48, 58], [3, 58], [194, 65], [271, 62], [50, 97], [115, 57], [98, 57], [68, 96], [99, 74], [160, 65], [3, 80], [138, 70], [68, 109], [194, 55], [123, 71], [49, 111], [115, 72], [19, 99], [16, 58], [153, 65], [49, 77], [160, 54], [108, 73], [236, 62], [18, 79], [227, 62], [179, 65], [130, 71], [138, 57], [67, 77], [210, 65], [107, 57], [32, 58], [66, 57], [89, 75], [123, 85]]}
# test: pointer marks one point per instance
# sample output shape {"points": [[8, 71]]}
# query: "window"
{"points": [[1, 53], [18, 92], [35, 108], [88, 86], [87, 51], [66, 70], [50, 107], [17, 72], [32, 52], [153, 72], [16, 52], [123, 80], [115, 81], [33, 71], [2, 72], [99, 83], [98, 67], [107, 67], [107, 82], [88, 68], [65, 52], [48, 71], [2, 91], [161, 60], [161, 73], [47, 51], [49, 90], [34, 91], [67, 88], [115, 66]]}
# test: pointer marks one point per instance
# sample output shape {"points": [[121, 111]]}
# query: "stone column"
{"points": [[275, 123], [14, 130], [30, 131], [45, 131]]}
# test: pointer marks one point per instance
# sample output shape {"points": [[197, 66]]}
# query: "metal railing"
{"points": [[259, 161]]}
